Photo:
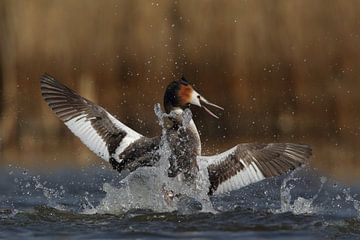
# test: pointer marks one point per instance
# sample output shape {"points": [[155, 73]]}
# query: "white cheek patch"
{"points": [[195, 98]]}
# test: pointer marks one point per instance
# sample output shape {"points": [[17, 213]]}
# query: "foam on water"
{"points": [[151, 188]]}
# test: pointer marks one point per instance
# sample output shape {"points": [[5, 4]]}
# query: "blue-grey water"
{"points": [[62, 204]]}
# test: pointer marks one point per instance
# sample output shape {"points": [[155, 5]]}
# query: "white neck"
{"points": [[192, 128]]}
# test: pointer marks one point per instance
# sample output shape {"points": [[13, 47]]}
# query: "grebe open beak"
{"points": [[200, 101], [203, 101]]}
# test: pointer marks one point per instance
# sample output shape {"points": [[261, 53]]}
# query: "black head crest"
{"points": [[184, 81]]}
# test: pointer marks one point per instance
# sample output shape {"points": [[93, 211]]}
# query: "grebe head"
{"points": [[180, 94]]}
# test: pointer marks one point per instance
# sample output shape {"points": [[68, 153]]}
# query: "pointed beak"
{"points": [[200, 101], [204, 102]]}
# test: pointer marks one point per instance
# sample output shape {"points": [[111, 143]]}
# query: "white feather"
{"points": [[131, 134], [249, 174], [205, 161], [83, 129]]}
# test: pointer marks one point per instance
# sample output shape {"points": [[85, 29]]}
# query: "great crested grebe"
{"points": [[124, 148]]}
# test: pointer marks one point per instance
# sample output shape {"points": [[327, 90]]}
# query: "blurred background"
{"points": [[285, 71]]}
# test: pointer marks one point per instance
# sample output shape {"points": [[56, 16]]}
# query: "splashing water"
{"points": [[26, 210], [151, 188], [299, 193], [29, 184], [300, 205], [52, 195], [351, 199]]}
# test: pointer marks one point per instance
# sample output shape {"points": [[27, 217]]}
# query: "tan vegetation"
{"points": [[283, 70]]}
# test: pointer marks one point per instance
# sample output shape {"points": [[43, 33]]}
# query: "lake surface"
{"points": [[65, 204]]}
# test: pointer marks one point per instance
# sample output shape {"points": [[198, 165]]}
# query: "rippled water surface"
{"points": [[70, 204]]}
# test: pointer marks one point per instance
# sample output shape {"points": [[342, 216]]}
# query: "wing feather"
{"points": [[101, 132], [249, 163]]}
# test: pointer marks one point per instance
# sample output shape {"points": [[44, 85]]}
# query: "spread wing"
{"points": [[249, 163], [101, 132]]}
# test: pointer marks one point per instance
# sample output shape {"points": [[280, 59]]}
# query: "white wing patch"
{"points": [[249, 174], [131, 136], [205, 161], [82, 128]]}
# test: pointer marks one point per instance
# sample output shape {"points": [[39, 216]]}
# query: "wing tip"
{"points": [[49, 86], [47, 81], [46, 78], [304, 149], [58, 97]]}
